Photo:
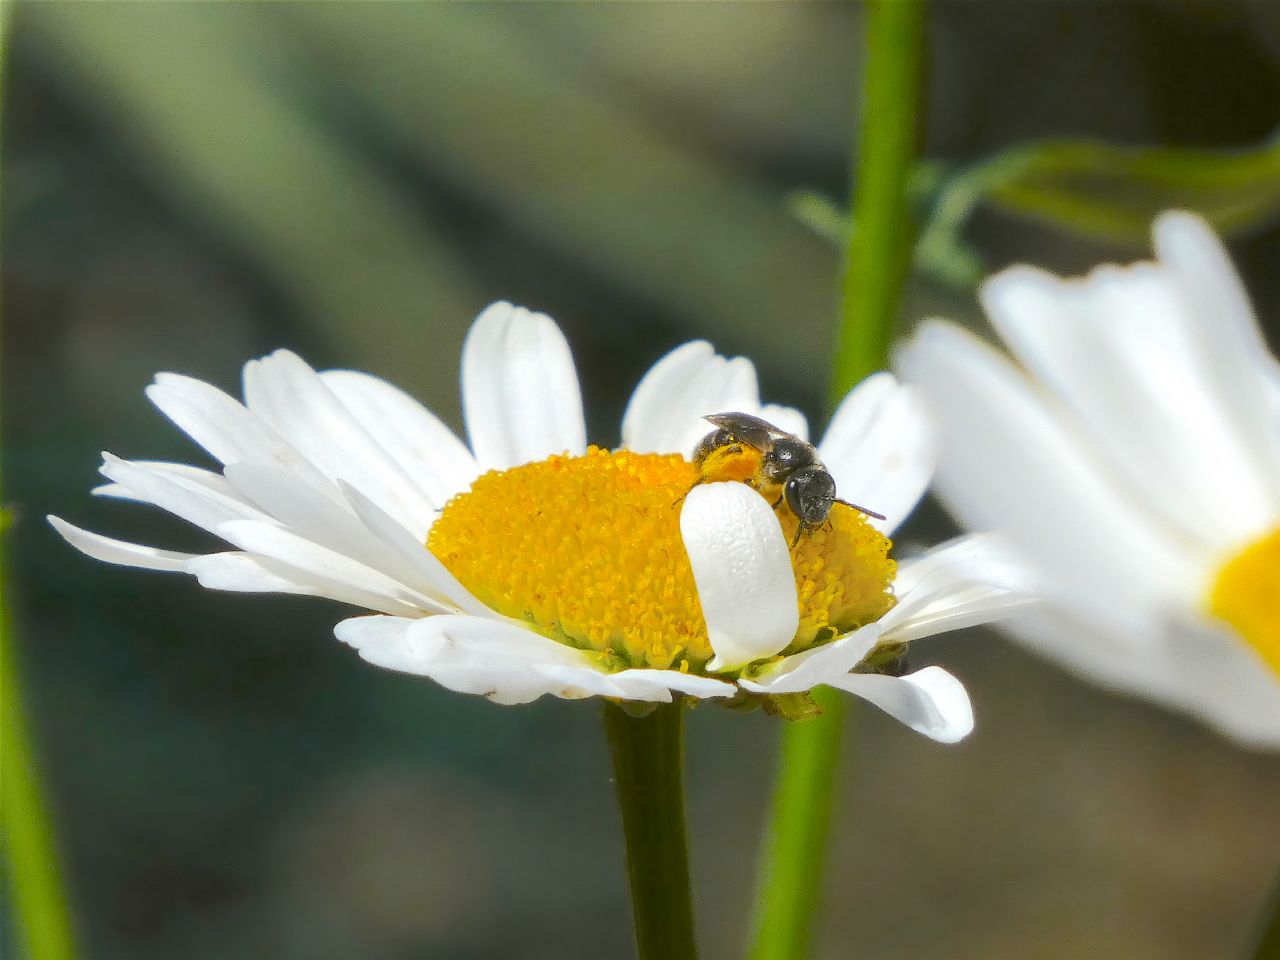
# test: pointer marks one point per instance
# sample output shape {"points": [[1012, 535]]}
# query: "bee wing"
{"points": [[752, 431]]}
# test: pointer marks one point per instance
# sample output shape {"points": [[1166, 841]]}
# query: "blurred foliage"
{"points": [[1096, 190], [188, 185], [1113, 193]]}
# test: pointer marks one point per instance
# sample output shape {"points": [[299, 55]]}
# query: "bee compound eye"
{"points": [[810, 492]]}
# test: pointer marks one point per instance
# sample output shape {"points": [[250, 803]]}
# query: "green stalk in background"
{"points": [[1266, 945], [43, 928], [878, 254], [877, 258], [648, 768]]}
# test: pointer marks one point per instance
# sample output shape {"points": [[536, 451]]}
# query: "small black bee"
{"points": [[789, 467]]}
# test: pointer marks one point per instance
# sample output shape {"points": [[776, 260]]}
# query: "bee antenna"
{"points": [[869, 513]]}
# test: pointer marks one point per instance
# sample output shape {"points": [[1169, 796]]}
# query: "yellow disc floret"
{"points": [[587, 551], [1246, 594]]}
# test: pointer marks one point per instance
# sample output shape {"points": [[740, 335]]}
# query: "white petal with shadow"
{"points": [[742, 568], [428, 452], [120, 552], [288, 395], [520, 395], [929, 701], [473, 655], [224, 427], [1009, 464], [666, 410], [1123, 351], [360, 584], [881, 449]]}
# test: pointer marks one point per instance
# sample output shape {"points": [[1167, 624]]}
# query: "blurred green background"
{"points": [[188, 185]]}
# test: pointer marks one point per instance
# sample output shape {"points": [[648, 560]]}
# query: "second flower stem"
{"points": [[648, 768], [795, 852], [877, 259]]}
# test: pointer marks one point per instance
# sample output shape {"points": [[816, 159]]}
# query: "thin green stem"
{"points": [[1266, 946], [795, 854], [43, 927], [878, 253], [648, 769], [877, 258]]}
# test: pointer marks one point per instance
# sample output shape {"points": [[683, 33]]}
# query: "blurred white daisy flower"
{"points": [[528, 563], [1134, 464]]}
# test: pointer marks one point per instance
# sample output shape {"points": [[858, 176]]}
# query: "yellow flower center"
{"points": [[1246, 594], [587, 550]]}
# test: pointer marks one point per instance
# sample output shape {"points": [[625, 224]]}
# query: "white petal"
{"points": [[1124, 351], [969, 558], [288, 395], [206, 478], [429, 575], [223, 426], [471, 655], [929, 701], [666, 409], [335, 575], [520, 395], [881, 449], [742, 567], [429, 453], [640, 681], [325, 522], [968, 581], [1008, 464], [818, 665], [118, 551], [1226, 683], [247, 573], [970, 608], [192, 500], [1195, 669], [1234, 351]]}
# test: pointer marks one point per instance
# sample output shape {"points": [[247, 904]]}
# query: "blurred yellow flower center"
{"points": [[587, 550], [1246, 594]]}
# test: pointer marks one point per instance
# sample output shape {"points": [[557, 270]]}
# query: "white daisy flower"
{"points": [[527, 563], [1134, 464]]}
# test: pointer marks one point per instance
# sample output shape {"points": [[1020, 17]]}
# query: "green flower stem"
{"points": [[1267, 944], [648, 769], [795, 852], [43, 928], [878, 253], [877, 258]]}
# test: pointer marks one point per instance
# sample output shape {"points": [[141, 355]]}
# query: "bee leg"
{"points": [[796, 538], [777, 503]]}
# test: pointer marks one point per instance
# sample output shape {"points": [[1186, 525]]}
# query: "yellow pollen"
{"points": [[587, 550], [733, 461], [1246, 594]]}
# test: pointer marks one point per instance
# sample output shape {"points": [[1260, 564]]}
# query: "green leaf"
{"points": [[940, 253], [1097, 190], [822, 215], [1113, 193]]}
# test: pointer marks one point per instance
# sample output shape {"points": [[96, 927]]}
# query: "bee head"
{"points": [[810, 491]]}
